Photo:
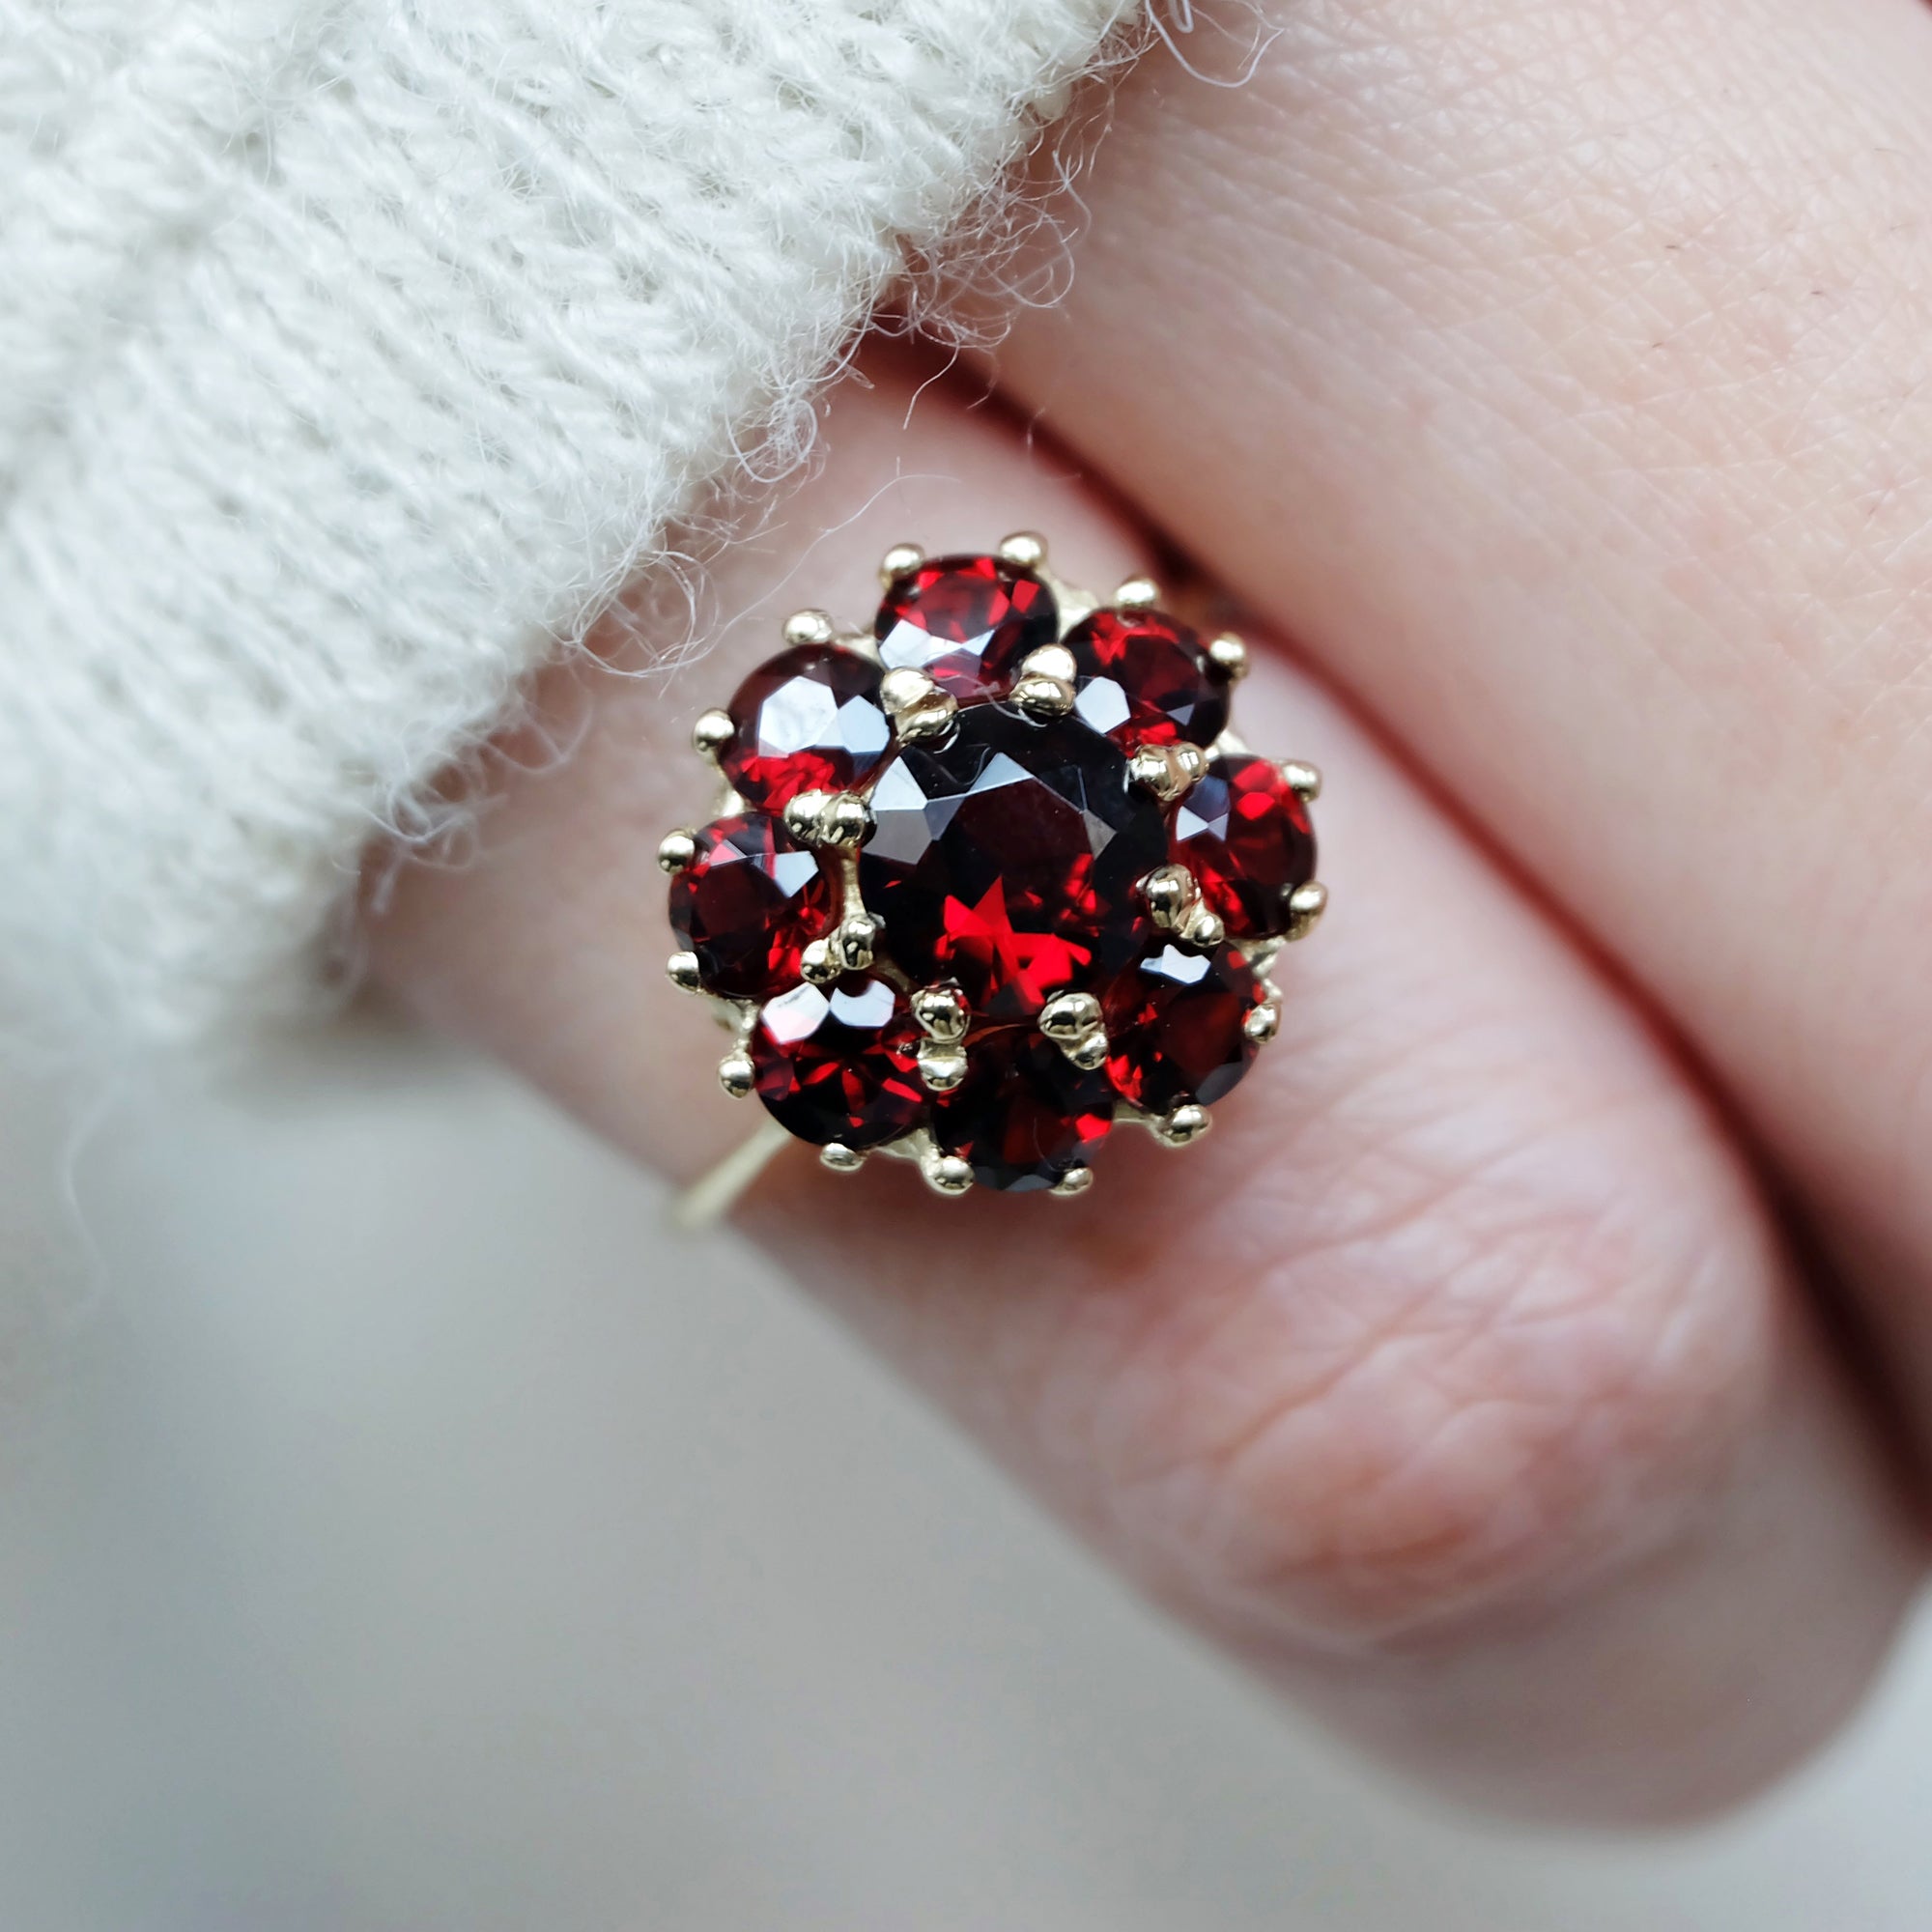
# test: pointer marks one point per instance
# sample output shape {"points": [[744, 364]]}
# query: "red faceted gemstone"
{"points": [[839, 1063], [965, 621], [1175, 1025], [1243, 833], [1024, 1113], [1144, 679], [749, 904], [809, 720], [1005, 857]]}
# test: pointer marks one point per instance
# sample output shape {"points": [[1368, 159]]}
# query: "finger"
{"points": [[1563, 370], [1463, 1338]]}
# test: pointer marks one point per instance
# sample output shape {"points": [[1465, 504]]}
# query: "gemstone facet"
{"points": [[839, 1063], [1243, 833], [1177, 1027], [1145, 679], [748, 903], [1024, 1114], [965, 621], [1006, 859], [809, 719]]}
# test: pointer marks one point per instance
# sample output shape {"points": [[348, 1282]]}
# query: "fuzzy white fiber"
{"points": [[351, 354]]}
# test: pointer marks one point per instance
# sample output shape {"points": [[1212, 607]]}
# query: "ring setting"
{"points": [[992, 877]]}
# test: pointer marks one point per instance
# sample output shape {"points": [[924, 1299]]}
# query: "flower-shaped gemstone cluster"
{"points": [[992, 876]]}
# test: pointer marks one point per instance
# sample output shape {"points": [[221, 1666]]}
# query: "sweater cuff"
{"points": [[356, 355]]}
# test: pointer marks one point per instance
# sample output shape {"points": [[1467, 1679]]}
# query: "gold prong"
{"points": [[810, 627], [1043, 698], [1073, 1023], [1169, 892], [942, 1064], [1305, 780], [1054, 661], [681, 969], [904, 688], [1088, 1052], [713, 731], [827, 818], [1137, 593], [676, 850], [841, 1158], [1203, 929], [801, 815], [1229, 655], [845, 821], [1305, 906], [1184, 1126], [1075, 1180], [854, 942], [736, 1074], [1168, 771], [1069, 1016], [1044, 687], [1026, 549], [945, 1173], [901, 560], [941, 1013], [917, 707], [818, 964], [1263, 1021]]}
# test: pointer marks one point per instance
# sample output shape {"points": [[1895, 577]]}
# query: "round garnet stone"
{"points": [[1004, 858], [1024, 1113], [1144, 679], [749, 904], [965, 621], [1175, 1026], [1243, 833], [809, 719], [839, 1063]]}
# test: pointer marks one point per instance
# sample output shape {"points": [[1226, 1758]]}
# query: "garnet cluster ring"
{"points": [[992, 876]]}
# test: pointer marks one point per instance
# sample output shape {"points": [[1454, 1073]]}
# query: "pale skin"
{"points": [[1532, 1373]]}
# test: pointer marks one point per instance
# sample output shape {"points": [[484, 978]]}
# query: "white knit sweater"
{"points": [[351, 354]]}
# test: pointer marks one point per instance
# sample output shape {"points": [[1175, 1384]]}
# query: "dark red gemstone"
{"points": [[839, 1063], [965, 621], [1175, 1026], [809, 720], [749, 904], [1144, 679], [1024, 1113], [1243, 833], [1005, 857]]}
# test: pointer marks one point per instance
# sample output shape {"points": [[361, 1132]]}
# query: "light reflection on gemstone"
{"points": [[1176, 1026], [747, 905], [839, 1064], [965, 621], [809, 719], [1243, 833], [1007, 857]]}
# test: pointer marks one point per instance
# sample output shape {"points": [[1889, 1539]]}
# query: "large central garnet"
{"points": [[1006, 859]]}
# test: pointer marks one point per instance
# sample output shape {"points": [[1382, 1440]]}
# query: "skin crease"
{"points": [[1459, 1384], [1566, 373]]}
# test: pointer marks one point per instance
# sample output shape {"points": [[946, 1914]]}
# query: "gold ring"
{"points": [[990, 877]]}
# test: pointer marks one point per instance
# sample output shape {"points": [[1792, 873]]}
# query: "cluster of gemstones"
{"points": [[992, 876]]}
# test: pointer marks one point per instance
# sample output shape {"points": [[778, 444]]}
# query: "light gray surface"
{"points": [[420, 1538]]}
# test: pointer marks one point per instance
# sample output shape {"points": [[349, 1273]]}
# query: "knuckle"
{"points": [[1465, 1400]]}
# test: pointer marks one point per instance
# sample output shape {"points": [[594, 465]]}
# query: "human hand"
{"points": [[1500, 1379]]}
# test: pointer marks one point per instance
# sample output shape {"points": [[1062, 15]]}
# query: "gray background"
{"points": [[403, 1530]]}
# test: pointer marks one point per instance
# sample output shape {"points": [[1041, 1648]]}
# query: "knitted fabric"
{"points": [[351, 354]]}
